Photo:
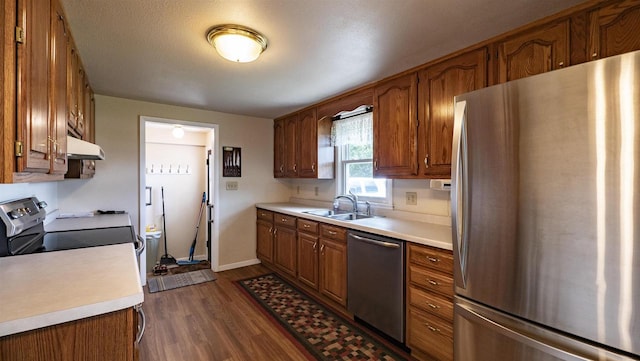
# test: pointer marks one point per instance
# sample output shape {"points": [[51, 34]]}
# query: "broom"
{"points": [[195, 239]]}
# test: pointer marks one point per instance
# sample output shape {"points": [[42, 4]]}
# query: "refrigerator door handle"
{"points": [[459, 195], [528, 337]]}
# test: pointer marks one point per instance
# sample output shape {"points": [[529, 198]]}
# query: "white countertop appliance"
{"points": [[546, 216], [22, 231]]}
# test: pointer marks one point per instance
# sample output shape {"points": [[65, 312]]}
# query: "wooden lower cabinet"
{"points": [[107, 337], [285, 244], [333, 263], [264, 235], [308, 245], [429, 295]]}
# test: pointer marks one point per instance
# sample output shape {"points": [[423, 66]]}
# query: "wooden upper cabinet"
{"points": [[614, 29], [278, 148], [302, 146], [58, 96], [307, 138], [291, 146], [439, 84], [72, 84], [395, 127], [534, 52], [33, 129]]}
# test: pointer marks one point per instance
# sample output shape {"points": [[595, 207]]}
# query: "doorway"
{"points": [[177, 167]]}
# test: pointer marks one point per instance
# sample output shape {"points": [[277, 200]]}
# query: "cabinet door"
{"points": [[333, 270], [291, 147], [308, 259], [89, 121], [614, 29], [59, 43], [278, 148], [307, 144], [33, 90], [534, 52], [79, 94], [264, 241], [395, 126], [286, 250], [72, 85], [438, 85]]}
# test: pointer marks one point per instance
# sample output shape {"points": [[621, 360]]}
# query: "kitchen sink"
{"points": [[341, 216]]}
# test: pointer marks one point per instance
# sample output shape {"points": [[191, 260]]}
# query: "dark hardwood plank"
{"points": [[212, 321]]}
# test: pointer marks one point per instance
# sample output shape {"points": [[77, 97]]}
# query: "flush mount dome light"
{"points": [[237, 43], [178, 131]]}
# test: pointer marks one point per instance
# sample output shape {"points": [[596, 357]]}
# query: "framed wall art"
{"points": [[231, 162]]}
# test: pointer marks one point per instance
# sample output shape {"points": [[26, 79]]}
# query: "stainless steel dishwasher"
{"points": [[375, 279]]}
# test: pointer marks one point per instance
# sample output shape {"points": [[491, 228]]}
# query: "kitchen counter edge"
{"points": [[67, 309], [428, 234]]}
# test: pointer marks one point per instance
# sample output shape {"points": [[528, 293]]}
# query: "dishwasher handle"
{"points": [[375, 242]]}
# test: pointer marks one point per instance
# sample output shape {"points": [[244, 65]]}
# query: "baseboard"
{"points": [[230, 266]]}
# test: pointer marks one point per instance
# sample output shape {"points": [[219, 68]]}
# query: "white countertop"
{"points": [[44, 289], [429, 234], [97, 221]]}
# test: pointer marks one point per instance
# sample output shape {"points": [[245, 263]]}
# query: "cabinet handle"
{"points": [[315, 244], [426, 161], [275, 230], [435, 307], [375, 164], [270, 229], [313, 167], [332, 233], [143, 323], [561, 64], [433, 259], [284, 220], [594, 55], [295, 167], [281, 168], [431, 328], [432, 282], [322, 249], [306, 226]]}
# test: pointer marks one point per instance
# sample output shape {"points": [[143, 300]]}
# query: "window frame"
{"points": [[341, 183]]}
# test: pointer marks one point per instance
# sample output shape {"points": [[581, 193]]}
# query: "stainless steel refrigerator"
{"points": [[546, 216]]}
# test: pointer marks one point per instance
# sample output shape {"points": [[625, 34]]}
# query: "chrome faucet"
{"points": [[351, 197]]}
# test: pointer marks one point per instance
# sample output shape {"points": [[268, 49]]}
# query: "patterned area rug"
{"points": [[324, 334], [163, 283]]}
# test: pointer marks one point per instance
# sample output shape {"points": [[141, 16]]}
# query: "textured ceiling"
{"points": [[156, 50]]}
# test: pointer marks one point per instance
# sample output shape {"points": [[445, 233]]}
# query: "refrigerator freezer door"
{"points": [[552, 200], [482, 334]]}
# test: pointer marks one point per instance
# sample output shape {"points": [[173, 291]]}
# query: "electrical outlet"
{"points": [[412, 198], [232, 186], [315, 190]]}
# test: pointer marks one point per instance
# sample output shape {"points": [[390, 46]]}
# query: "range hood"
{"points": [[80, 149]]}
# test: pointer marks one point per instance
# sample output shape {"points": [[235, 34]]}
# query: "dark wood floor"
{"points": [[212, 321]]}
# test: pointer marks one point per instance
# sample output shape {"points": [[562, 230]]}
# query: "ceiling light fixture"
{"points": [[237, 43], [178, 131]]}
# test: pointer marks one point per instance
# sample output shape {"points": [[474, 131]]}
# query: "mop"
{"points": [[166, 258], [193, 244]]}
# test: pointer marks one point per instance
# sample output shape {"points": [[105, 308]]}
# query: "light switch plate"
{"points": [[232, 186]]}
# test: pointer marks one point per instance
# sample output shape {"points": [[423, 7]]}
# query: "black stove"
{"points": [[22, 231]]}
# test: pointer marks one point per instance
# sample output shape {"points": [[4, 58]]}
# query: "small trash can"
{"points": [[152, 239]]}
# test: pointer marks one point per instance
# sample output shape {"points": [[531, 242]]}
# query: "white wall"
{"points": [[115, 185], [433, 206]]}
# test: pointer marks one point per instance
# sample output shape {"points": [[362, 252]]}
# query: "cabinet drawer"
{"points": [[284, 220], [430, 335], [307, 226], [432, 258], [431, 280], [333, 232], [266, 215], [431, 302]]}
